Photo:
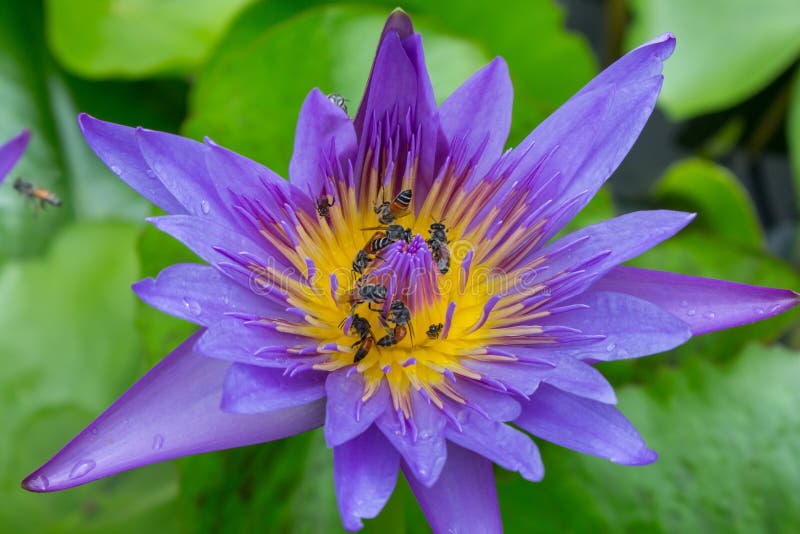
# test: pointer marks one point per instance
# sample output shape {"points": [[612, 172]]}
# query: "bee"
{"points": [[361, 261], [370, 293], [339, 100], [394, 232], [365, 338], [388, 212], [434, 330], [377, 242], [441, 255], [41, 196], [438, 232], [324, 204], [399, 315], [394, 336]]}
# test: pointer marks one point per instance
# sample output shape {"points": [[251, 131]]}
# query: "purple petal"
{"points": [[705, 304], [566, 373], [117, 147], [611, 242], [630, 327], [11, 151], [202, 295], [365, 473], [321, 122], [392, 78], [464, 498], [172, 411], [480, 111], [422, 445], [500, 406], [345, 415], [584, 425], [203, 236], [625, 93], [232, 340], [180, 164], [507, 447], [252, 389]]}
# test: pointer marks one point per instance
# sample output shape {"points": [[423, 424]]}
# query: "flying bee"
{"points": [[370, 293], [388, 212], [324, 204], [365, 338], [40, 196], [339, 100], [441, 255], [361, 261], [394, 336], [434, 330]]}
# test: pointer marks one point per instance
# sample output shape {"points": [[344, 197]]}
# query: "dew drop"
{"points": [[691, 313], [192, 305], [38, 483], [611, 346], [760, 311], [82, 468], [158, 442], [710, 315], [684, 304], [622, 353], [116, 170], [150, 173], [94, 431], [205, 207]]}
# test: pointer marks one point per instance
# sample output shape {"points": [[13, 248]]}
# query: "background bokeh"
{"points": [[723, 411]]}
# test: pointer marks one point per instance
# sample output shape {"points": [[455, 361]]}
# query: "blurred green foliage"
{"points": [[722, 410]]}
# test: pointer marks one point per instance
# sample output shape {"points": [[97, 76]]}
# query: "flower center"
{"points": [[409, 284]]}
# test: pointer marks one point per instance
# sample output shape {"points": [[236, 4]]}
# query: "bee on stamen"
{"points": [[362, 328], [394, 232], [394, 336], [361, 262], [434, 330], [369, 293], [438, 244], [388, 212], [324, 204]]}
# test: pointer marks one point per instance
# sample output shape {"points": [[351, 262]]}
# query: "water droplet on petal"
{"points": [[691, 313], [116, 170], [82, 468], [150, 173], [38, 483], [622, 353], [611, 346], [193, 306], [710, 315], [205, 207], [760, 311], [684, 304], [158, 442], [94, 431]]}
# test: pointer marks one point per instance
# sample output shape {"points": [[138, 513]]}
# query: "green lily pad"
{"points": [[270, 80], [727, 441], [135, 38], [726, 52], [69, 348], [722, 205], [793, 133]]}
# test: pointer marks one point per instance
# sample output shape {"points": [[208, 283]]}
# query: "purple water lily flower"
{"points": [[402, 289], [11, 151]]}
